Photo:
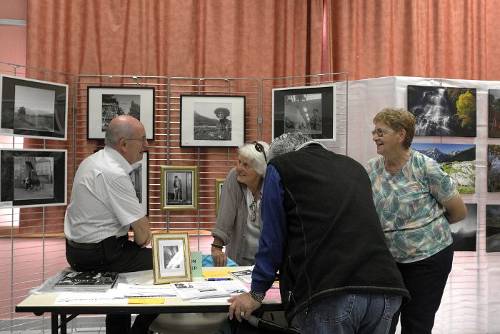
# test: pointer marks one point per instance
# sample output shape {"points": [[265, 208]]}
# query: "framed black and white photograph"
{"points": [[33, 108], [457, 160], [464, 232], [212, 121], [179, 187], [171, 258], [219, 183], [139, 177], [443, 111], [105, 103], [310, 110], [32, 178]]}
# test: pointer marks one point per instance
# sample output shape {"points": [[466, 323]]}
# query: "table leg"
{"points": [[54, 323], [64, 321]]}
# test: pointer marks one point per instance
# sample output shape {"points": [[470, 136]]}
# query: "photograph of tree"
{"points": [[443, 111], [464, 232], [494, 113], [458, 160], [493, 178], [493, 228]]}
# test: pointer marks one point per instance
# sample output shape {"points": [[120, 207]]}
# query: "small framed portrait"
{"points": [[105, 103], [219, 183], [212, 121], [171, 258], [33, 108], [32, 178], [139, 177], [179, 187], [310, 110]]}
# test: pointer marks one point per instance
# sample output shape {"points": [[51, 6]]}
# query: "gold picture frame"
{"points": [[219, 183], [179, 187], [171, 258]]}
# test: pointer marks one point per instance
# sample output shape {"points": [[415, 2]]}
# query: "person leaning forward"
{"points": [[322, 232], [103, 208]]}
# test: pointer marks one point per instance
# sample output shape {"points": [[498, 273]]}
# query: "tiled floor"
{"points": [[471, 302]]}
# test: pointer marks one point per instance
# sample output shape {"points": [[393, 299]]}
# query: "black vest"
{"points": [[335, 242]]}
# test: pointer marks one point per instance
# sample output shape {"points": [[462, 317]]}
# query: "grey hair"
{"points": [[118, 129], [287, 142], [256, 158]]}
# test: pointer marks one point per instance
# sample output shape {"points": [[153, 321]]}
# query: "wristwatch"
{"points": [[257, 296]]}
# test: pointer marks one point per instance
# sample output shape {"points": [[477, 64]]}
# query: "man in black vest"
{"points": [[323, 235]]}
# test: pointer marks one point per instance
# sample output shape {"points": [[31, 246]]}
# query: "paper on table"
{"points": [[193, 290], [87, 298], [146, 300], [216, 272], [134, 290]]}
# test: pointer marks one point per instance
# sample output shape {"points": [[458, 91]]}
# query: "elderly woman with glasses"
{"points": [[238, 223], [416, 201]]}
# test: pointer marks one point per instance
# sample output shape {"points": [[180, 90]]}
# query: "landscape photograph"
{"points": [[458, 160], [443, 111]]}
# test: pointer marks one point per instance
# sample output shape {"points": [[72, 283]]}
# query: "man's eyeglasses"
{"points": [[143, 139], [260, 148], [380, 132]]}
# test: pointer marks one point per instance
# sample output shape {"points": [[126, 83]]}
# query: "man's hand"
{"points": [[242, 306], [220, 259]]}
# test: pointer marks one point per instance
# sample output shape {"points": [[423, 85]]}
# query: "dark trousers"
{"points": [[120, 255], [425, 280]]}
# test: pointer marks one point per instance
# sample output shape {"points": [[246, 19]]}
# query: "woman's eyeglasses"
{"points": [[260, 148], [380, 132]]}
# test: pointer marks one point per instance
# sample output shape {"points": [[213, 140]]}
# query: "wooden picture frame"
{"points": [[33, 108], [171, 258], [32, 178], [179, 187], [105, 103], [310, 110], [219, 183], [212, 120]]}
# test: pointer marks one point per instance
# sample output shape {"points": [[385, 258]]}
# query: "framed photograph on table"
{"points": [[171, 258], [139, 177], [32, 178], [179, 187], [212, 121], [219, 183], [33, 108], [310, 110], [105, 103]]}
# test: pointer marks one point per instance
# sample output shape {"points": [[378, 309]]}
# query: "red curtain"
{"points": [[198, 38], [266, 38]]}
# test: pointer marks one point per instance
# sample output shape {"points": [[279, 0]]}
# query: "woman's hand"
{"points": [[220, 259]]}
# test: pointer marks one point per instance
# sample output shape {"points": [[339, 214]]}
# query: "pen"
{"points": [[219, 279]]}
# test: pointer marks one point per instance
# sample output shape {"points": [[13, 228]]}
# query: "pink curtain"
{"points": [[267, 38], [216, 38], [429, 38]]}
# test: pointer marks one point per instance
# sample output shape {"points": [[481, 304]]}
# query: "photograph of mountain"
{"points": [[464, 232], [443, 111], [455, 159]]}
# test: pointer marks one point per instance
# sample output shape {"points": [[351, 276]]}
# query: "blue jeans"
{"points": [[349, 314]]}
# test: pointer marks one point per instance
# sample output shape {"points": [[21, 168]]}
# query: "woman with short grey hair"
{"points": [[238, 223]]}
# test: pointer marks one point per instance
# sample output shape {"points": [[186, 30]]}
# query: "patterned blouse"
{"points": [[409, 206]]}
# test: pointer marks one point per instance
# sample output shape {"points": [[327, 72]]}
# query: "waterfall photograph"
{"points": [[458, 160], [492, 228], [443, 111]]}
